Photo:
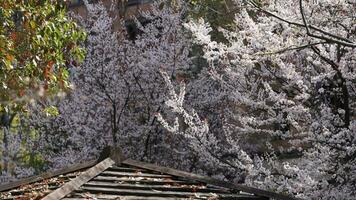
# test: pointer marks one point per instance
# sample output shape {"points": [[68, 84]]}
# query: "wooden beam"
{"points": [[208, 180], [158, 193], [46, 175], [115, 153], [74, 184], [109, 196], [184, 188], [127, 169], [133, 174], [154, 181]]}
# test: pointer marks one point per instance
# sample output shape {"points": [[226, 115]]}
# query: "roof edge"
{"points": [[108, 162], [209, 180], [47, 175]]}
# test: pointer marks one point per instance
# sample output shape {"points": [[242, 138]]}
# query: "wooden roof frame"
{"points": [[47, 175], [209, 180], [95, 167], [84, 177]]}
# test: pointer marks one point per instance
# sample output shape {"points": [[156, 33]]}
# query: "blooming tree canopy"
{"points": [[273, 106], [287, 77], [118, 88]]}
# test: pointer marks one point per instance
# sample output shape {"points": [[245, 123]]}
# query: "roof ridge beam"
{"points": [[80, 180]]}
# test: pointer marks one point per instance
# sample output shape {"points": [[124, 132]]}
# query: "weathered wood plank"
{"points": [[128, 169], [187, 188], [104, 196], [137, 174], [147, 180], [80, 180], [158, 193], [29, 191], [132, 197], [25, 196], [46, 175], [209, 180]]}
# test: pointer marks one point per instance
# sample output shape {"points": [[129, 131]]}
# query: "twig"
{"points": [[303, 17], [305, 24], [291, 48], [338, 40]]}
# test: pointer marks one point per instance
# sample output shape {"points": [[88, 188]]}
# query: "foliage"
{"points": [[37, 41]]}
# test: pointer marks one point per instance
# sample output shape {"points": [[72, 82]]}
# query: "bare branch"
{"points": [[324, 32], [333, 38], [303, 17], [291, 48], [345, 92]]}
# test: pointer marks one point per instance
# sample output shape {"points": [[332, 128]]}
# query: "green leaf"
{"points": [[51, 111]]}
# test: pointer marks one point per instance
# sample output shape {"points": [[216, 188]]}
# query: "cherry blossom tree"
{"points": [[286, 79], [118, 89], [273, 107]]}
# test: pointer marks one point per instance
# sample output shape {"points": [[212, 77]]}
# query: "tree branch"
{"points": [[331, 39], [345, 92], [291, 48]]}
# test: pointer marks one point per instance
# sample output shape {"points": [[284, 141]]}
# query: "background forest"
{"points": [[257, 92]]}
